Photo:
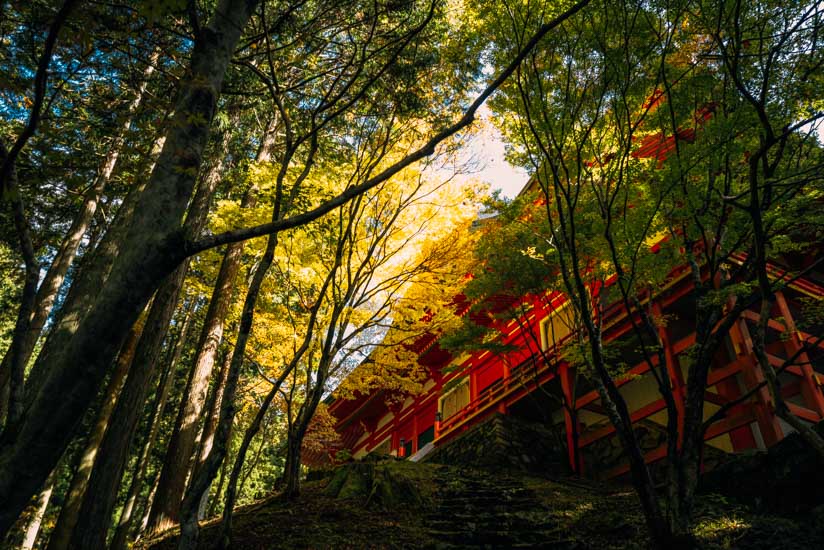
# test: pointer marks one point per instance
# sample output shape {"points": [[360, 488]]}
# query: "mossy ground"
{"points": [[586, 515]]}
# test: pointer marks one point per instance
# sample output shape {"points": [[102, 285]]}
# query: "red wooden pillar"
{"points": [[742, 437], [765, 417], [473, 386], [438, 413], [674, 373], [395, 445], [570, 423], [810, 389], [396, 440]]}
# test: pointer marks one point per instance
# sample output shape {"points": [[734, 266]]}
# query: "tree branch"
{"points": [[212, 241]]}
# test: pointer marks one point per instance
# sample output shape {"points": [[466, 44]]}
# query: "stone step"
{"points": [[483, 501], [522, 531], [502, 538], [479, 510], [485, 489], [465, 511]]}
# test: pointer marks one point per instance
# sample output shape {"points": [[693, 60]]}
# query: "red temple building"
{"points": [[462, 392]]}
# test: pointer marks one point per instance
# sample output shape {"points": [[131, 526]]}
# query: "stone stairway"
{"points": [[478, 509]]}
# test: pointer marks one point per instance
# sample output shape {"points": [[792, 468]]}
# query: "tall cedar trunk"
{"points": [[223, 293], [53, 280], [140, 528], [70, 509], [202, 479], [90, 531], [121, 534], [26, 530], [178, 459], [78, 355], [98, 504], [178, 462]]}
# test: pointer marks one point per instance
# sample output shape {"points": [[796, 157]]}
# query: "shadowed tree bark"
{"points": [[99, 501], [178, 461], [70, 509], [121, 534]]}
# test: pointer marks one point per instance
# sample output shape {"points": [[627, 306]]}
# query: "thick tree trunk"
{"points": [[78, 355], [121, 535], [27, 529], [140, 529], [100, 499], [70, 509], [91, 530], [176, 465]]}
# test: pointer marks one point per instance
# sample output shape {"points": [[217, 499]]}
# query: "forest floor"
{"points": [[393, 504]]}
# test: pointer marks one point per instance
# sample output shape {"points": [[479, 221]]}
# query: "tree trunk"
{"points": [[70, 509], [33, 528], [207, 438], [294, 444], [202, 479], [53, 280], [121, 535], [98, 505], [178, 462], [16, 365], [176, 465], [224, 468], [291, 468], [140, 529], [79, 355], [231, 488]]}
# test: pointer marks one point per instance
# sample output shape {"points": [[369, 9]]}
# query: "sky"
{"points": [[483, 153]]}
